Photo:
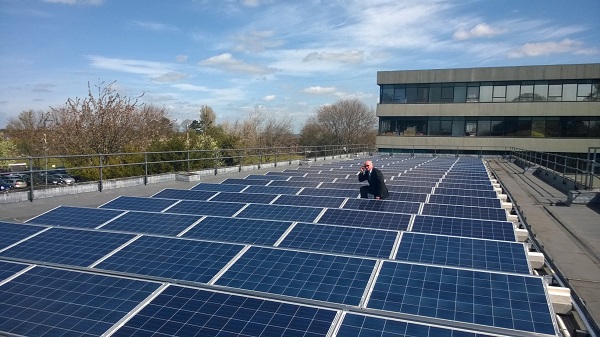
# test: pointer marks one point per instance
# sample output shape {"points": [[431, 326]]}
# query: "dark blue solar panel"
{"points": [[483, 229], [498, 214], [256, 198], [295, 183], [466, 192], [67, 246], [383, 206], [140, 204], [192, 312], [172, 193], [464, 201], [238, 230], [12, 233], [286, 173], [279, 212], [218, 187], [330, 192], [266, 177], [53, 302], [369, 326], [315, 276], [206, 208], [174, 258], [8, 269], [75, 217], [445, 250], [245, 181], [407, 196], [366, 219], [507, 301], [343, 240], [305, 200], [467, 185], [152, 223], [272, 189]]}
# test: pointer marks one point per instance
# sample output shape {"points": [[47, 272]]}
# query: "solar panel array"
{"points": [[292, 253]]}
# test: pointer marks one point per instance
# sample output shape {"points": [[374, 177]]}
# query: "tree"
{"points": [[207, 118], [29, 132], [345, 122], [8, 149]]}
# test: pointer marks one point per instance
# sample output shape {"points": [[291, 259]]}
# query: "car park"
{"points": [[14, 182], [4, 188], [61, 179]]}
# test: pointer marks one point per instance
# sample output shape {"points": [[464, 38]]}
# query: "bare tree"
{"points": [[345, 122], [29, 132], [207, 118]]}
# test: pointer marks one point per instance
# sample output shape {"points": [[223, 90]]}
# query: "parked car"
{"points": [[61, 179], [4, 188], [14, 182]]}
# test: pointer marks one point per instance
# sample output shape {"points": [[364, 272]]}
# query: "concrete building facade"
{"points": [[548, 108]]}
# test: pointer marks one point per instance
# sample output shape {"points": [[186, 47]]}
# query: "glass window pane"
{"points": [[595, 127], [483, 127], [387, 93], [575, 126], [470, 128], [524, 127], [552, 127], [538, 127], [446, 128], [433, 127], [499, 91], [435, 93], [485, 93], [526, 93], [460, 95], [411, 94], [584, 90], [512, 93], [458, 126], [385, 126], [447, 93], [423, 94], [569, 92], [540, 91], [497, 126], [555, 92], [473, 94], [399, 94], [510, 126]]}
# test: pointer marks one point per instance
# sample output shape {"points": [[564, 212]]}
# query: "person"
{"points": [[376, 185]]}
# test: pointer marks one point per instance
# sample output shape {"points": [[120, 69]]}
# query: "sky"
{"points": [[285, 58]]}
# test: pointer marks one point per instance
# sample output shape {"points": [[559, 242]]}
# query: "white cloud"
{"points": [[152, 26], [228, 63], [269, 98], [256, 41], [547, 48], [170, 77], [480, 30], [181, 58], [318, 90], [149, 68], [77, 2], [351, 56]]}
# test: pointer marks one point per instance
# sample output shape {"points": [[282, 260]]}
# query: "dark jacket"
{"points": [[376, 182]]}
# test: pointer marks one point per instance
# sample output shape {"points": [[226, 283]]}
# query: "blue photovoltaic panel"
{"points": [[218, 187], [265, 177], [206, 208], [466, 193], [330, 192], [152, 223], [368, 219], [467, 186], [343, 240], [245, 181], [272, 189], [140, 204], [504, 256], [8, 269], [173, 258], [483, 229], [464, 201], [312, 184], [12, 233], [256, 198], [75, 217], [279, 212], [172, 193], [509, 301], [407, 196], [383, 206], [67, 246], [286, 172], [329, 278], [193, 312], [317, 177], [305, 200], [498, 214], [409, 189], [251, 231], [369, 326], [54, 302]]}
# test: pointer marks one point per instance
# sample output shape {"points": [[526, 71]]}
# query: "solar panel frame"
{"points": [[365, 219], [78, 217], [238, 230], [467, 212], [196, 207], [152, 223], [305, 200], [382, 206], [218, 187], [259, 198], [139, 204], [474, 228], [464, 201], [179, 194], [13, 233], [272, 189], [280, 212]]}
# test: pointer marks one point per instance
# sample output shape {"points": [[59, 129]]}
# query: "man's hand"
{"points": [[377, 198]]}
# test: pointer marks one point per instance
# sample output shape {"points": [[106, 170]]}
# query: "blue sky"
{"points": [[286, 58]]}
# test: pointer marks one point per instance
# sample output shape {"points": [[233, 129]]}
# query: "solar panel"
{"points": [[509, 301], [75, 217], [172, 258], [483, 229], [192, 312], [330, 192], [54, 302], [280, 212], [466, 192], [8, 269], [464, 201], [239, 230], [383, 206], [172, 193], [152, 223], [257, 198], [286, 172], [328, 278], [483, 213], [139, 204], [312, 184], [509, 257], [272, 189], [245, 181], [343, 240], [365, 219], [469, 185], [218, 187], [12, 233], [67, 246], [304, 200], [407, 196], [206, 208], [265, 177]]}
